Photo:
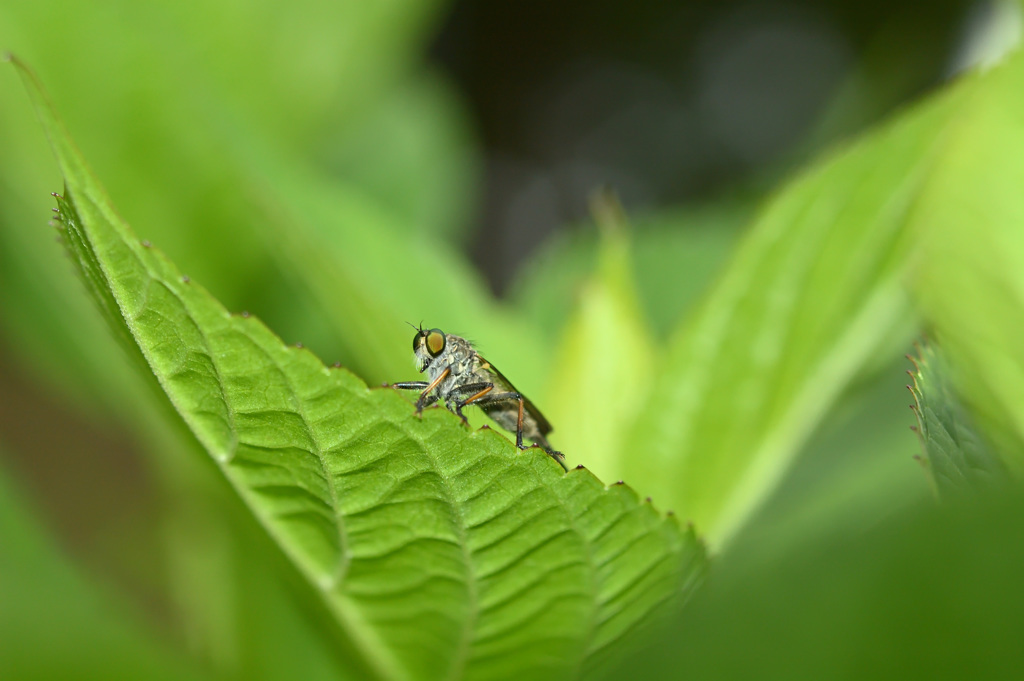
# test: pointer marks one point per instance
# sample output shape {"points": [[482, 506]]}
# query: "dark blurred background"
{"points": [[672, 102]]}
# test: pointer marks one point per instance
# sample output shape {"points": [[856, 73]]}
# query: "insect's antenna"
{"points": [[414, 328]]}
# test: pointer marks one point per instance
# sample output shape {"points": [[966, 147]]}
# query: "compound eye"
{"points": [[435, 342], [417, 340]]}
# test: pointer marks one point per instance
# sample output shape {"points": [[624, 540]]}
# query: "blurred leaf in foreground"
{"points": [[855, 473], [932, 594], [439, 553], [968, 275], [54, 624], [816, 292]]}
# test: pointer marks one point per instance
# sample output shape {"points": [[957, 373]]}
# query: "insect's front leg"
{"points": [[467, 394], [426, 398], [408, 385], [429, 396]]}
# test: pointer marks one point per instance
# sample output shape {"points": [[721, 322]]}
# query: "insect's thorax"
{"points": [[460, 358]]}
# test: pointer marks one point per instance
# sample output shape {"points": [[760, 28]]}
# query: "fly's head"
{"points": [[428, 345]]}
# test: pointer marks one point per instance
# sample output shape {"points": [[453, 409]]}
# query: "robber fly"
{"points": [[460, 377]]}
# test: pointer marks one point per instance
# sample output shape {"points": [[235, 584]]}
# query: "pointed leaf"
{"points": [[603, 369], [958, 461], [441, 554], [969, 273]]}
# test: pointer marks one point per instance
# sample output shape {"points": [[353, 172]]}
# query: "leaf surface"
{"points": [[814, 294], [969, 269], [441, 554], [959, 463], [604, 366]]}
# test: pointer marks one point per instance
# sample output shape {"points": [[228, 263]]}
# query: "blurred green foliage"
{"points": [[959, 463], [928, 594], [738, 362]]}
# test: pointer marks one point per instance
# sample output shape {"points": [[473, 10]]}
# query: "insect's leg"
{"points": [[519, 425], [475, 392], [507, 397], [557, 456], [425, 395], [415, 385], [491, 398], [427, 401], [408, 385]]}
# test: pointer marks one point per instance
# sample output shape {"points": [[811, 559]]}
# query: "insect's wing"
{"points": [[502, 384]]}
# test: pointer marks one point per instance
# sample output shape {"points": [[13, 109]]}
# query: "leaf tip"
{"points": [[13, 59]]}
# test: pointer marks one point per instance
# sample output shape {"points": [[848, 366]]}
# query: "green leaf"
{"points": [[969, 268], [595, 394], [440, 553], [855, 473], [814, 294], [958, 461], [38, 317], [675, 253], [289, 81], [414, 154], [55, 623], [932, 593]]}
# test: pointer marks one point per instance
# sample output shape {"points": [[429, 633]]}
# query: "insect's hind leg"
{"points": [[487, 397], [509, 397], [557, 456]]}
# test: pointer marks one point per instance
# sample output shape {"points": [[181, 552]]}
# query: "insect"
{"points": [[460, 376]]}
